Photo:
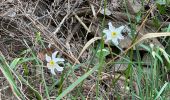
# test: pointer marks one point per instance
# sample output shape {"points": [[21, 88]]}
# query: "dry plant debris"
{"points": [[74, 28]]}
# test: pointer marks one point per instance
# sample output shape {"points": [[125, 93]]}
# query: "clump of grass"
{"points": [[92, 68]]}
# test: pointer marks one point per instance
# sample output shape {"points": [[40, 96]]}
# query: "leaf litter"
{"points": [[73, 28]]}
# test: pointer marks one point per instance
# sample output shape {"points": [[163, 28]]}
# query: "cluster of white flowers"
{"points": [[113, 34], [52, 62]]}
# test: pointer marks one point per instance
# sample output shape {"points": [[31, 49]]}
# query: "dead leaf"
{"points": [[41, 56]]}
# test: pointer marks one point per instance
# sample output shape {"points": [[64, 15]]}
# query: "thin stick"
{"points": [[81, 22], [59, 26]]}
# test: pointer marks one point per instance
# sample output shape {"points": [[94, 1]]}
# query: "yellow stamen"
{"points": [[52, 63], [113, 34]]}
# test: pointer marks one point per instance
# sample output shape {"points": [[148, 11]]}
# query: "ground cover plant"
{"points": [[84, 49]]}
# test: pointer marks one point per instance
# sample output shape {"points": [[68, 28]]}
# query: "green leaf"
{"points": [[138, 17], [77, 82], [160, 92], [26, 60], [168, 29], [165, 54], [105, 52], [37, 94], [161, 8], [26, 70], [145, 47], [156, 21], [159, 57], [14, 63], [161, 2], [7, 72]]}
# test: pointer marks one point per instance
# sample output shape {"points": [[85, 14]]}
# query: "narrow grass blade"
{"points": [[77, 82], [160, 92], [39, 97], [4, 67], [14, 63]]}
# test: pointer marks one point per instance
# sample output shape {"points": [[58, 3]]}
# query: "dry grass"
{"points": [[68, 25]]}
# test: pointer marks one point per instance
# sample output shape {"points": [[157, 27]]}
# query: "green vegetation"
{"points": [[125, 55]]}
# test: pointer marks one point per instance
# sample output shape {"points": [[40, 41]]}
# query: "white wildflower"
{"points": [[52, 62], [113, 34]]}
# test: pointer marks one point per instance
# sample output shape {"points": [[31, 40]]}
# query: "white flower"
{"points": [[52, 62], [113, 33]]}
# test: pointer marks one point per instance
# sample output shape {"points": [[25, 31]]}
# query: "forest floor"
{"points": [[84, 49]]}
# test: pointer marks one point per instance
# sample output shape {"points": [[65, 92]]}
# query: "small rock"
{"points": [[107, 11]]}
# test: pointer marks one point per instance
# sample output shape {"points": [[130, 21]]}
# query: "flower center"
{"points": [[52, 63], [113, 34]]}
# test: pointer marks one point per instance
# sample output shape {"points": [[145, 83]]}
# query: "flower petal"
{"points": [[54, 55], [108, 38], [121, 28], [106, 31], [53, 71], [120, 36], [109, 35], [48, 58], [115, 41], [49, 66], [111, 28], [58, 59], [59, 68]]}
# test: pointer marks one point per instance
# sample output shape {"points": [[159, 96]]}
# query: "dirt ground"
{"points": [[68, 25]]}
